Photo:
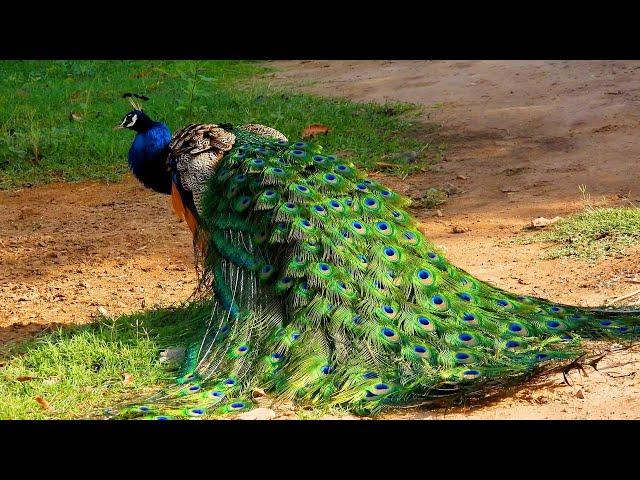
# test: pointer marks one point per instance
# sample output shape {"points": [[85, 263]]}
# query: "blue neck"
{"points": [[148, 157]]}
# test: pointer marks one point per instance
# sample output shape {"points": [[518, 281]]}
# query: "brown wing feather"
{"points": [[195, 151]]}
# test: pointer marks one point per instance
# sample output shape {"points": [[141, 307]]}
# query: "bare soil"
{"points": [[520, 135]]}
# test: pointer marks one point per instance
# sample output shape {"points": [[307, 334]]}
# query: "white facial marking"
{"points": [[133, 121]]}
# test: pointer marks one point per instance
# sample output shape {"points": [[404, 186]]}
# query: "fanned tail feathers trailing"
{"points": [[324, 291]]}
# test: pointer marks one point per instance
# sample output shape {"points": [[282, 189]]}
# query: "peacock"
{"points": [[322, 289]]}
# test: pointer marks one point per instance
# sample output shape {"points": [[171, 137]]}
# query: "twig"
{"points": [[623, 297]]}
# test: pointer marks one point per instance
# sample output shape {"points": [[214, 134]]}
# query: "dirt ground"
{"points": [[521, 136]]}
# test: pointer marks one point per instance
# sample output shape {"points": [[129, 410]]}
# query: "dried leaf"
{"points": [[126, 378], [43, 403], [75, 116], [314, 130], [257, 393], [25, 378]]}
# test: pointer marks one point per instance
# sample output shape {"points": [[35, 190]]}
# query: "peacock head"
{"points": [[136, 120]]}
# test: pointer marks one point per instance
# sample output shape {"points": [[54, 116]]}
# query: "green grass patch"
{"points": [[594, 233], [57, 117], [81, 371]]}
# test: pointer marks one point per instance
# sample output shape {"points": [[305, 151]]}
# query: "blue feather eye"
{"points": [[371, 204], [384, 228], [389, 311], [425, 277], [380, 389], [229, 382], [555, 325], [465, 297], [358, 227], [336, 206], [425, 323], [215, 394], [390, 335], [541, 356], [236, 406], [421, 351], [470, 374], [470, 318], [463, 357], [506, 304], [467, 339], [326, 370], [319, 209], [162, 417], [298, 153], [324, 269], [361, 187], [318, 159], [196, 412], [390, 254], [439, 302], [411, 238], [512, 345], [331, 179], [518, 329]]}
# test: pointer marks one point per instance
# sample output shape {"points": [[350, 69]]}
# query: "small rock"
{"points": [[439, 213], [462, 177], [171, 355], [103, 311], [451, 189], [509, 189], [580, 394], [257, 414], [459, 229], [542, 222]]}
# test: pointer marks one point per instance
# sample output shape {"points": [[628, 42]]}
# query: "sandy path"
{"points": [[536, 129]]}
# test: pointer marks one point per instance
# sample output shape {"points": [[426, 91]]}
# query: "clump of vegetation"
{"points": [[432, 198], [593, 233]]}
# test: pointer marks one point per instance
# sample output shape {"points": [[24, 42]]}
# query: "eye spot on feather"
{"points": [[300, 144], [229, 382], [463, 357], [470, 374], [361, 187], [390, 334], [369, 375], [426, 324], [605, 323], [302, 188], [465, 297], [421, 351], [439, 302], [385, 193], [357, 319], [512, 345], [162, 417], [196, 412], [236, 406], [469, 317], [541, 356], [298, 153], [326, 370], [553, 324]]}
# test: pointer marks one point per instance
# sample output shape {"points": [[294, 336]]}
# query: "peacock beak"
{"points": [[118, 127]]}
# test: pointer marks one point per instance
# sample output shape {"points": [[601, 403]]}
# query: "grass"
{"points": [[594, 233], [80, 371], [57, 117]]}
